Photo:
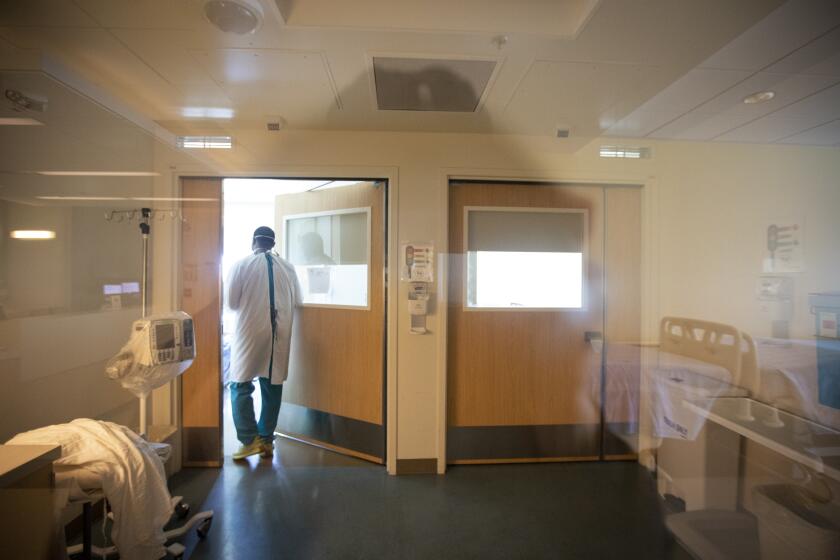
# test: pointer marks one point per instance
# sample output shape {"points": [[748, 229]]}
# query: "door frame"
{"points": [[385, 173], [650, 266]]}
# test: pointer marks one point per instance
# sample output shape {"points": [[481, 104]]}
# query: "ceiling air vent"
{"points": [[205, 142], [423, 84], [627, 152]]}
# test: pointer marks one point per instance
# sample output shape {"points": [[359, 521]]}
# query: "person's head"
{"points": [[312, 244], [263, 239]]}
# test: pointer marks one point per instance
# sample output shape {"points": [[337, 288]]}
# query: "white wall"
{"points": [[706, 207], [715, 204]]}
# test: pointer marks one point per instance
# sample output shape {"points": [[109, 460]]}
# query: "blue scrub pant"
{"points": [[247, 428]]}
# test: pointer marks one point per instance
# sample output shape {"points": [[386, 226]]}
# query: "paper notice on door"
{"points": [[318, 279]]}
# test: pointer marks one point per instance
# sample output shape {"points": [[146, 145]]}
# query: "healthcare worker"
{"points": [[261, 341]]}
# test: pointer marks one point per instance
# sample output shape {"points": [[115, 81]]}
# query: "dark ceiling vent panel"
{"points": [[421, 84]]}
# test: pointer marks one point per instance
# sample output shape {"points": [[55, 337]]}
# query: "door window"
{"points": [[525, 258], [331, 255]]}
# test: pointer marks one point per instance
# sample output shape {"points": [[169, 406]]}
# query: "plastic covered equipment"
{"points": [[160, 348]]}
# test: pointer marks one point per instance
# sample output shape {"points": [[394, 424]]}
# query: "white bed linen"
{"points": [[132, 478]]}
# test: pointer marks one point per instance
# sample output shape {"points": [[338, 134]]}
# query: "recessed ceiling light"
{"points": [[99, 173], [233, 16], [19, 121], [205, 142], [759, 97], [32, 234]]}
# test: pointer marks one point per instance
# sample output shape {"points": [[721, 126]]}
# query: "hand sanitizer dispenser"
{"points": [[418, 306]]}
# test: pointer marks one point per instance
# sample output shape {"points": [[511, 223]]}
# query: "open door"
{"points": [[334, 395]]}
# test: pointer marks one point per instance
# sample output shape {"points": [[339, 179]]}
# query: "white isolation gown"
{"points": [[247, 295]]}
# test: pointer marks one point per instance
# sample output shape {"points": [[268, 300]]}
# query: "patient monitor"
{"points": [[160, 347], [168, 340]]}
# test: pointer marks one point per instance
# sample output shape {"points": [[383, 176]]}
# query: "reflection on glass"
{"points": [[330, 254]]}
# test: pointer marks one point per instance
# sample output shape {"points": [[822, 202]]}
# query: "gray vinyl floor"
{"points": [[307, 503]]}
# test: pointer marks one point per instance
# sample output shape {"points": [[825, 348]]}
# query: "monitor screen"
{"points": [[164, 336], [131, 287], [112, 289]]}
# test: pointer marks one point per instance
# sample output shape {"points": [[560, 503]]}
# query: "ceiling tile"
{"points": [[295, 85], [821, 56], [682, 96], [103, 60], [808, 113], [571, 93], [727, 110], [824, 135], [524, 16], [166, 53], [43, 13], [824, 105], [767, 129], [146, 14], [787, 28]]}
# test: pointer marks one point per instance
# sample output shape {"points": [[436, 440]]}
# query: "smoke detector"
{"points": [[234, 16]]}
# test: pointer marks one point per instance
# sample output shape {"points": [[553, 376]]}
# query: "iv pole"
{"points": [[146, 216], [145, 230]]}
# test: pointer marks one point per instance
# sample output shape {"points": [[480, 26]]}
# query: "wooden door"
{"points": [[334, 393], [524, 384], [201, 261]]}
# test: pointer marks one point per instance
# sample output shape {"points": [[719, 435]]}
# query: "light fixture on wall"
{"points": [[759, 97], [233, 16], [32, 234]]}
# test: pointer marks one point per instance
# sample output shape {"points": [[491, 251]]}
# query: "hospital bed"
{"points": [[694, 359], [85, 490]]}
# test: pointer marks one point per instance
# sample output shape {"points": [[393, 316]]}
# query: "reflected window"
{"points": [[529, 258], [331, 255]]}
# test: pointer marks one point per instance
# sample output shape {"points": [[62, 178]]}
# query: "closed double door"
{"points": [[539, 288]]}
